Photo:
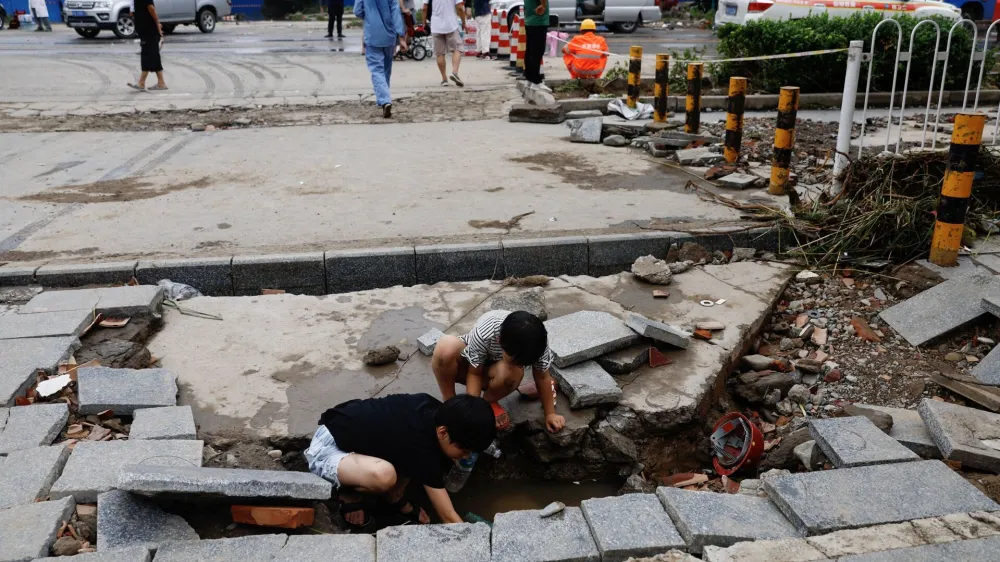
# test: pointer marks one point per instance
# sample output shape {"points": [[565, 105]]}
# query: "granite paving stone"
{"points": [[126, 520], [856, 441], [259, 548], [302, 274], [658, 331], [942, 308], [327, 548], [44, 324], [27, 475], [909, 429], [94, 465], [630, 525], [705, 518], [78, 274], [169, 422], [968, 435], [625, 361], [976, 549], [33, 426], [992, 305], [427, 342], [211, 276], [587, 334], [135, 554], [129, 301], [782, 550], [988, 369], [456, 262], [21, 358], [457, 542], [222, 482], [28, 531], [847, 498], [587, 384], [370, 268], [124, 390], [519, 536]]}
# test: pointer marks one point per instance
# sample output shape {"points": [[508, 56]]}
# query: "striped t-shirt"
{"points": [[482, 344]]}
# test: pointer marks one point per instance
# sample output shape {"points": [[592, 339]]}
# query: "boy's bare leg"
{"points": [[504, 378], [159, 80], [142, 79], [448, 366], [371, 475]]}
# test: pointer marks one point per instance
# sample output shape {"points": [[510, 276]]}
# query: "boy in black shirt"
{"points": [[150, 32], [376, 446]]}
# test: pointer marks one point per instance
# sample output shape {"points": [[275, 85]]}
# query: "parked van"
{"points": [[624, 16], [89, 17]]}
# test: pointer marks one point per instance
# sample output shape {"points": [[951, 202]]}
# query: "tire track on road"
{"points": [[167, 154], [238, 88], [279, 79], [258, 75], [321, 80], [104, 78], [209, 82]]}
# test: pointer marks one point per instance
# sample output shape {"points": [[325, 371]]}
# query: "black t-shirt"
{"points": [[398, 428], [144, 24]]}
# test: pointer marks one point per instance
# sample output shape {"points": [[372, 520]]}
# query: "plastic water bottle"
{"points": [[460, 472]]}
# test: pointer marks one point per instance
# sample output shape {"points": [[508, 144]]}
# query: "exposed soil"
{"points": [[119, 190], [585, 174]]}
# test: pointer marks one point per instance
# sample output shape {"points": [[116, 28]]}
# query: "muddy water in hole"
{"points": [[485, 497]]}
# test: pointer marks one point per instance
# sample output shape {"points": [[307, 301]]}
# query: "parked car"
{"points": [[624, 16], [742, 11], [89, 17], [3, 17]]}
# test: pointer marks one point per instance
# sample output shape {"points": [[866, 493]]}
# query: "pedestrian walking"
{"points": [[40, 12], [335, 11], [150, 32], [383, 30], [444, 16], [483, 22], [536, 21]]}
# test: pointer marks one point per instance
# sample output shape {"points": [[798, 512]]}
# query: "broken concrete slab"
{"points": [[988, 370], [968, 435], [738, 181], [847, 498], [977, 549], [28, 531], [126, 520], [625, 361], [222, 482], [908, 428], [942, 308], [563, 537], [33, 426], [94, 466], [658, 331], [529, 300], [27, 475], [630, 525], [781, 550], [867, 539], [587, 384], [136, 554], [124, 390], [855, 441], [552, 114], [21, 358], [427, 342], [457, 542], [587, 334], [328, 548], [537, 96], [137, 300], [169, 422], [966, 266], [992, 305], [44, 324], [585, 130], [698, 156], [259, 548]]}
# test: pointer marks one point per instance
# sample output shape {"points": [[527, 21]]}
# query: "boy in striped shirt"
{"points": [[491, 359]]}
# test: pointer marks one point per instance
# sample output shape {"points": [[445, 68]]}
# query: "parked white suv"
{"points": [[621, 15], [89, 17]]}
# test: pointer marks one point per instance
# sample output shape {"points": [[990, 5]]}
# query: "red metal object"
{"points": [[738, 443]]}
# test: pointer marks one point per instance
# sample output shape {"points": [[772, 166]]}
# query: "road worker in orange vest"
{"points": [[585, 55]]}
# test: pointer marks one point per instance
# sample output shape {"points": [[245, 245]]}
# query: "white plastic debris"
{"points": [[53, 385], [552, 509]]}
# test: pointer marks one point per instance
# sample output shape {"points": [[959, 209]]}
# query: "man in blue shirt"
{"points": [[383, 31], [483, 27]]}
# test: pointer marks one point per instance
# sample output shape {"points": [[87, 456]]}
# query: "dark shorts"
{"points": [[150, 54]]}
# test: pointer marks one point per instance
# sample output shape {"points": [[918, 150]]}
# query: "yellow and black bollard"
{"points": [[692, 104], [734, 119], [784, 139], [661, 88], [634, 75], [957, 188]]}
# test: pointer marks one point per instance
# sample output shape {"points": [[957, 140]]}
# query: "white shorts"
{"points": [[324, 456]]}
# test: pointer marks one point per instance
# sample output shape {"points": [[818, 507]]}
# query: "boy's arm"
{"points": [[460, 9], [156, 19], [475, 381], [359, 11], [543, 382], [442, 504]]}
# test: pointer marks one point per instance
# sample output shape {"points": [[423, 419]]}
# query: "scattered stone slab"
{"points": [[94, 466], [328, 548], [552, 114], [658, 331], [873, 495], [783, 550], [584, 113], [563, 537], [942, 308], [259, 548], [616, 141], [136, 554], [855, 441], [126, 520], [587, 334], [44, 324], [169, 422], [867, 539], [738, 181], [21, 358], [458, 542], [116, 354], [963, 434], [987, 371], [630, 525], [538, 97], [529, 300], [705, 518], [137, 300], [427, 342], [32, 426], [587, 384], [27, 475], [222, 482], [909, 429], [124, 390], [625, 361], [698, 157], [978, 549], [28, 531], [585, 130], [992, 305]]}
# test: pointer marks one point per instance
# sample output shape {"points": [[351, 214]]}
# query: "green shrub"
{"points": [[825, 73]]}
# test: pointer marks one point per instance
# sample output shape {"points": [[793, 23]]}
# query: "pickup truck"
{"points": [[89, 17]]}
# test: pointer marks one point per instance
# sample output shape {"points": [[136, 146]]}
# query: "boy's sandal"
{"points": [[365, 505], [393, 513], [501, 415]]}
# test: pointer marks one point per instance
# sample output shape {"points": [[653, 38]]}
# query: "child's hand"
{"points": [[554, 423]]}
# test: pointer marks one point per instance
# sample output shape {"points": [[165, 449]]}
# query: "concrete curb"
{"points": [[341, 271]]}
